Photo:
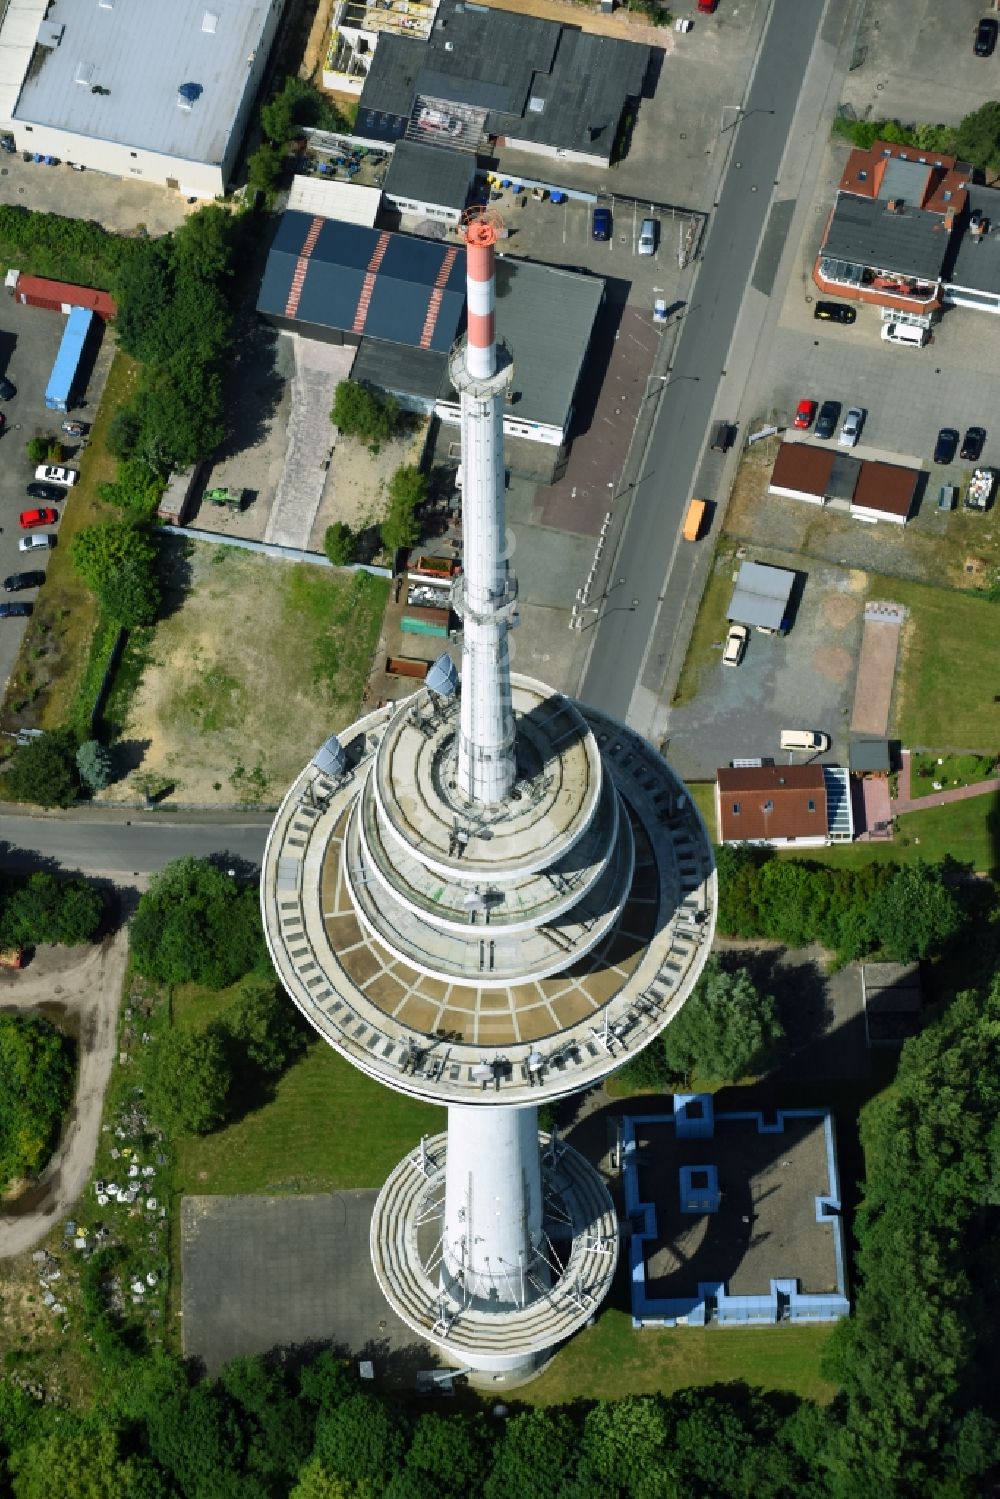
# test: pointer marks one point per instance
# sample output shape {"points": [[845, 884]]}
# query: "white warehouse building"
{"points": [[157, 92]]}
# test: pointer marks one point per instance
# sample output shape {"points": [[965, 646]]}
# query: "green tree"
{"points": [[362, 1438], [38, 449], [196, 925], [100, 552], [36, 1077], [45, 909], [131, 598], [122, 437], [978, 136], [915, 914], [339, 543], [195, 1434], [407, 492], [86, 1461], [726, 1030], [44, 771], [315, 1482], [536, 1459], [93, 761], [264, 168], [450, 1452], [630, 1437], [358, 411], [135, 489], [263, 1025], [189, 1087], [277, 1429]]}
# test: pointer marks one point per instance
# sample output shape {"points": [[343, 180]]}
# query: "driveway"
{"points": [[87, 988]]}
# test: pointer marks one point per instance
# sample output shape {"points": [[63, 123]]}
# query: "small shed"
{"points": [[869, 757], [761, 596], [891, 995], [885, 491]]}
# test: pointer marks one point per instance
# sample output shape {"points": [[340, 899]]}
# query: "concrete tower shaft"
{"points": [[493, 1205], [486, 597]]}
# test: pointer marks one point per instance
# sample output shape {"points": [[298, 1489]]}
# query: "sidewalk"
{"points": [[907, 803]]}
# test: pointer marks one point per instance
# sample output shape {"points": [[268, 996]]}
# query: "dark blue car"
{"points": [[601, 223]]}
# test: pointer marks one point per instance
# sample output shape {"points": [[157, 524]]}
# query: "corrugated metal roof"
{"points": [[761, 595], [863, 232], [539, 80], [430, 174], [139, 56], [100, 302], [402, 370], [334, 200]]}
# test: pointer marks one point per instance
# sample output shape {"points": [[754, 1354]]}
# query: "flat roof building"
{"points": [[761, 596], [484, 74], [161, 93], [430, 181]]}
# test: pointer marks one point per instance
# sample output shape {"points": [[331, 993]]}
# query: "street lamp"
{"points": [[741, 114], [666, 380]]}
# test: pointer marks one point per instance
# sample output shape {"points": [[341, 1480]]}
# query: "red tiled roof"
{"points": [[887, 487], [801, 467], [774, 801]]}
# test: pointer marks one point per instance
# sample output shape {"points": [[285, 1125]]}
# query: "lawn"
{"points": [[949, 771], [55, 652], [327, 1126], [948, 670], [254, 664], [612, 1359]]}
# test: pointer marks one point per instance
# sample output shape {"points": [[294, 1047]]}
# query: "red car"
{"points": [[804, 413], [707, 6], [32, 518]]}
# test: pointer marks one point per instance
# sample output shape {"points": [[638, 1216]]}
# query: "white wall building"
{"points": [[158, 92]]}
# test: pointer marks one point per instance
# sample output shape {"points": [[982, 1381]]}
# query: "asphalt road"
{"points": [[647, 578], [126, 847]]}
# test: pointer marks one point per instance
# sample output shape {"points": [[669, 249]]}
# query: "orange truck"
{"points": [[694, 520]]}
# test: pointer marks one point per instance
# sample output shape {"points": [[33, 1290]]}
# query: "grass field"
{"points": [[948, 668], [612, 1359], [56, 649], [255, 663], [710, 626]]}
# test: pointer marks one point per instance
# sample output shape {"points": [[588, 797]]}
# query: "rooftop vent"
{"points": [[536, 105], [862, 175], [449, 46], [50, 34], [84, 74], [210, 22], [105, 4], [188, 94]]}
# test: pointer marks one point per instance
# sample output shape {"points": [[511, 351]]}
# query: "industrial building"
{"points": [[159, 93], [400, 300], [488, 896], [483, 77]]}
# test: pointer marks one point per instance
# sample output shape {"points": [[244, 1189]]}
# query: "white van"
{"points": [[905, 333], [647, 237], [810, 740]]}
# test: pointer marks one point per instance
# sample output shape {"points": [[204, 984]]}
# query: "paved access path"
{"points": [[907, 803]]}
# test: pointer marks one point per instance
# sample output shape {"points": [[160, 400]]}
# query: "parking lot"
{"points": [[802, 680], [29, 341]]}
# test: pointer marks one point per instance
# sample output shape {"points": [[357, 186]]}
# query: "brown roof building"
{"points": [[802, 472], [872, 491], [772, 804], [885, 491]]}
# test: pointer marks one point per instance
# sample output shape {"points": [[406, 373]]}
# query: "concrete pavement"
{"points": [[126, 844]]}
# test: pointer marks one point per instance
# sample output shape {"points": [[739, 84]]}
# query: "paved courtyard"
{"points": [[287, 1272]]}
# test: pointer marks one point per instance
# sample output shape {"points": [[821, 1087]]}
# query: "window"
{"points": [[133, 154], [811, 805], [736, 809], [768, 806]]}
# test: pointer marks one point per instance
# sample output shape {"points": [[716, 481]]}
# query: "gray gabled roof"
{"points": [[538, 80], [430, 174], [911, 242]]}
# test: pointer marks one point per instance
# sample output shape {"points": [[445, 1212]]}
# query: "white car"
{"points": [[736, 644], [659, 309], [38, 541], [51, 473], [851, 430]]}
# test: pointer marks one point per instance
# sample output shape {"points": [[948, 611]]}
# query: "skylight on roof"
{"points": [[536, 105]]}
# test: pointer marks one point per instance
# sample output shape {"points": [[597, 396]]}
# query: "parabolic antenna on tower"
{"points": [[489, 896]]}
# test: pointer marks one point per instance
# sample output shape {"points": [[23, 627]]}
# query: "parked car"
{"points": [[986, 37], [947, 442], [659, 309], [736, 644], [8, 390], [811, 741], [851, 430], [804, 413], [37, 541], [17, 581], [647, 237], [53, 474], [909, 334], [973, 443], [29, 519], [17, 608], [600, 224], [706, 7], [826, 422], [8, 144], [835, 312], [45, 492], [74, 429]]}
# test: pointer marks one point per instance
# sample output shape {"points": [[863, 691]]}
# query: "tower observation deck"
{"points": [[489, 896]]}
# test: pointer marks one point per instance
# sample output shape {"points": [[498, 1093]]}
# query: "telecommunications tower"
{"points": [[489, 896]]}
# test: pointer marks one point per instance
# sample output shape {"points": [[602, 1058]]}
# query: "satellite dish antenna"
{"points": [[443, 678], [331, 757]]}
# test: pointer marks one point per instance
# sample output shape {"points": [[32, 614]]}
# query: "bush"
{"points": [[339, 543], [37, 449], [358, 411], [726, 1030], [189, 1083], [196, 925], [407, 492], [36, 1078], [43, 908], [93, 761]]}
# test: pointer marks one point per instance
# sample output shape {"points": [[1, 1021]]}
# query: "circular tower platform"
{"points": [[490, 958]]}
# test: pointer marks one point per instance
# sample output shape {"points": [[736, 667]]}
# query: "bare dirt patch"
{"points": [[839, 609], [256, 665], [357, 489], [833, 663]]}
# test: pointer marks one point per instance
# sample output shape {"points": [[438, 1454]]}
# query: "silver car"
{"points": [[851, 430]]}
